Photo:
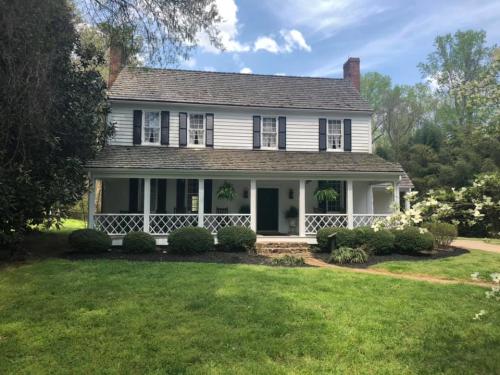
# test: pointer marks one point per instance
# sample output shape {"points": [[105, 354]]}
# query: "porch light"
{"points": [[290, 194], [245, 193]]}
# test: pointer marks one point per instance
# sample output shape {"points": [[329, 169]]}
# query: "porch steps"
{"points": [[282, 247]]}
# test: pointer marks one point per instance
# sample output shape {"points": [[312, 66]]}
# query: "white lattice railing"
{"points": [[119, 223], [166, 223], [315, 222], [361, 220], [213, 222]]}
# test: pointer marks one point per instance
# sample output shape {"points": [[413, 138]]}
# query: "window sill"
{"points": [[196, 146], [335, 150]]}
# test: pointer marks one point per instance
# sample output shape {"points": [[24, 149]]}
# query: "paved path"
{"points": [[315, 262], [477, 245]]}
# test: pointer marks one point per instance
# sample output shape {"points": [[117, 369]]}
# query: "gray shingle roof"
{"points": [[251, 90], [149, 157], [406, 182]]}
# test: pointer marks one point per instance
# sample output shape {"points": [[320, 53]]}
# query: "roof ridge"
{"points": [[231, 73]]}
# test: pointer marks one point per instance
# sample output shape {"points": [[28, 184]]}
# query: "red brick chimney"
{"points": [[116, 62], [352, 73]]}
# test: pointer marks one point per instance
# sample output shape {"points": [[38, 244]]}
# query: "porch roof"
{"points": [[206, 159]]}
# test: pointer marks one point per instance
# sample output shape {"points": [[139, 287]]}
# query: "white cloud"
{"points": [[209, 69], [266, 43], [280, 74], [189, 63], [292, 40], [228, 28], [246, 70]]}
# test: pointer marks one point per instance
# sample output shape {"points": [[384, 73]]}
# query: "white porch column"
{"points": [[147, 203], [91, 203], [302, 208], [396, 195], [370, 199], [253, 205], [350, 205], [201, 201]]}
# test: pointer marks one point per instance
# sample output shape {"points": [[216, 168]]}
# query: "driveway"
{"points": [[476, 245]]}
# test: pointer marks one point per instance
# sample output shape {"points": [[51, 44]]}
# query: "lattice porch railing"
{"points": [[166, 223], [119, 223], [315, 222], [214, 222], [361, 220]]}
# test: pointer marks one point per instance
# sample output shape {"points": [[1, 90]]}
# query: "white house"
{"points": [[181, 134]]}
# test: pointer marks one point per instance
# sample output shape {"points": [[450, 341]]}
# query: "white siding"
{"points": [[233, 127]]}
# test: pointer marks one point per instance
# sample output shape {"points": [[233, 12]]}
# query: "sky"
{"points": [[315, 37]]}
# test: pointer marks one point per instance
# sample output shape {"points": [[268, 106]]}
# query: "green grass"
{"points": [[84, 317], [454, 267]]}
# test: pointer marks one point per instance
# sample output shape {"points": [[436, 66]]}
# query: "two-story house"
{"points": [[271, 140]]}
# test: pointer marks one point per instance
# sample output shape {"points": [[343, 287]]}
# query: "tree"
{"points": [[52, 110], [165, 29]]}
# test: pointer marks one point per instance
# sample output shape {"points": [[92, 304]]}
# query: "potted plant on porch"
{"points": [[325, 195], [291, 215], [226, 192]]}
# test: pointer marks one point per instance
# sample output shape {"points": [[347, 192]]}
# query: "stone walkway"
{"points": [[476, 245], [315, 262]]}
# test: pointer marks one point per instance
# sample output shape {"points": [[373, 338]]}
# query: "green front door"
{"points": [[267, 210]]}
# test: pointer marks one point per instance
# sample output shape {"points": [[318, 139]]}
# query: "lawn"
{"points": [[60, 316], [454, 267], [493, 241]]}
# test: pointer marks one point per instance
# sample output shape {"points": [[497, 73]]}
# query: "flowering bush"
{"points": [[473, 207]]}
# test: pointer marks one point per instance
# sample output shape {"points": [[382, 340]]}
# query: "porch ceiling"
{"points": [[221, 160]]}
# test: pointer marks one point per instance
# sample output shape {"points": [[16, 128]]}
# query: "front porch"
{"points": [[160, 204]]}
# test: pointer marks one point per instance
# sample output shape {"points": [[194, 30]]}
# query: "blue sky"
{"points": [[315, 37]]}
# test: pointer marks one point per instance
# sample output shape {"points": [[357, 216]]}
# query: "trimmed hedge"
{"points": [[139, 242], [89, 241], [189, 240], [411, 241], [348, 255], [381, 242], [322, 237], [236, 238], [444, 233]]}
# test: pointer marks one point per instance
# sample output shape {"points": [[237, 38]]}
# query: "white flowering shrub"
{"points": [[493, 293]]}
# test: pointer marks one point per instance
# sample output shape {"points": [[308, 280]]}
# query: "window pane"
{"points": [[269, 132], [196, 131], [152, 127], [334, 132]]}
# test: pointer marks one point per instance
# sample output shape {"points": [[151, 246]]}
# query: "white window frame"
{"points": [[189, 130], [328, 147], [143, 130], [262, 132]]}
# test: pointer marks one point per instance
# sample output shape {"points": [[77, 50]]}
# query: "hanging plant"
{"points": [[226, 192], [326, 195]]}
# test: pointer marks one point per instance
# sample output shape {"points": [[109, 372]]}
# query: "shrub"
{"points": [[139, 242], [236, 239], [322, 237], [380, 242], [444, 233], [89, 241], [189, 240], [347, 238], [347, 255], [288, 261], [411, 241]]}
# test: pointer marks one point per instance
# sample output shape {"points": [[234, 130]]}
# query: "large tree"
{"points": [[52, 111], [163, 29]]}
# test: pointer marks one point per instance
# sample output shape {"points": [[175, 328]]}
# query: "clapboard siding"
{"points": [[233, 128]]}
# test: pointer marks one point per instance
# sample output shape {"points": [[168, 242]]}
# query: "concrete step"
{"points": [[282, 247]]}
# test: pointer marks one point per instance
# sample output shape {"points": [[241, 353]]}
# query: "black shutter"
{"points": [[182, 129], [210, 130], [208, 197], [137, 127], [343, 208], [322, 134], [162, 196], [282, 133], [256, 132], [180, 197], [165, 127], [133, 195], [322, 204], [347, 135]]}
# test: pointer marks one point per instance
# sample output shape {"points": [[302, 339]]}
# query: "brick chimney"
{"points": [[116, 62], [352, 73]]}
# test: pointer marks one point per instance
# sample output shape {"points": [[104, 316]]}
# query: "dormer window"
{"points": [[196, 130], [152, 127], [269, 132], [334, 135]]}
